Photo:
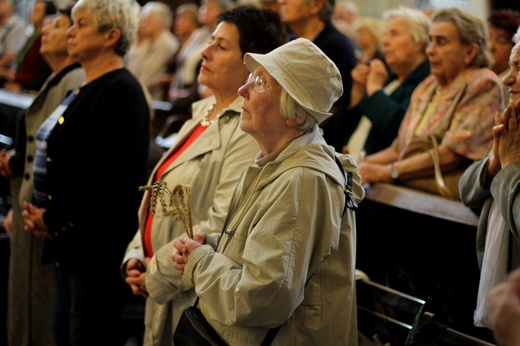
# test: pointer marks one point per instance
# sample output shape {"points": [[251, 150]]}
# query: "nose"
{"points": [[509, 79], [429, 49], [70, 30], [244, 90], [205, 53]]}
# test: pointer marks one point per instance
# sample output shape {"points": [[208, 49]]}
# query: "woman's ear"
{"points": [[113, 35], [293, 122], [471, 52]]}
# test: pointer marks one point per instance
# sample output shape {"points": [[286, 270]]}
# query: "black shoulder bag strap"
{"points": [[347, 189]]}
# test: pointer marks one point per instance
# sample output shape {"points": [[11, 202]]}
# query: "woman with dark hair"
{"points": [[502, 26], [31, 68], [210, 153], [31, 282]]}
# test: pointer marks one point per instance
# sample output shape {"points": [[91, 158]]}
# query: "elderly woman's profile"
{"points": [[286, 254]]}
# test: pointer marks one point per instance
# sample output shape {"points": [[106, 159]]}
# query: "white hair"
{"points": [[516, 37], [160, 11]]}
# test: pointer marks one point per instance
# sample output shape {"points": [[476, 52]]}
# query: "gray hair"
{"points": [[190, 9], [471, 30], [225, 5], [417, 21], [516, 37], [327, 11], [109, 14], [291, 109], [373, 25], [160, 11]]}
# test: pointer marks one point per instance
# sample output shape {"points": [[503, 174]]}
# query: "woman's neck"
{"points": [[404, 71], [222, 101], [58, 62], [102, 65], [308, 30]]}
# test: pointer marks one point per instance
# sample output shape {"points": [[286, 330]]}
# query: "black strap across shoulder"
{"points": [[347, 189]]}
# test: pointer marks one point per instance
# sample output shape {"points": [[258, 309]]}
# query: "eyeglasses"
{"points": [[259, 84]]}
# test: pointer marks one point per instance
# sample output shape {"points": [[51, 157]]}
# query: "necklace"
{"points": [[206, 121], [439, 91]]}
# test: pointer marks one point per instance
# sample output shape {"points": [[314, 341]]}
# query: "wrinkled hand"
{"points": [[504, 310], [508, 135], [374, 172], [377, 76], [8, 221], [136, 278], [33, 220], [360, 73], [183, 248], [5, 156], [13, 86]]}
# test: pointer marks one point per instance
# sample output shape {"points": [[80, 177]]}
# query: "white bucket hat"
{"points": [[305, 72]]}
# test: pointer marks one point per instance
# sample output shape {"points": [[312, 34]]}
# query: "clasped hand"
{"points": [[136, 276], [183, 248], [33, 220], [5, 155], [506, 138]]}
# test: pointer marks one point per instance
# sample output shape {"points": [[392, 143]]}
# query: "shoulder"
{"points": [[332, 41], [73, 77], [426, 83], [481, 74], [201, 106], [121, 79], [482, 80], [169, 40], [420, 73], [16, 23]]}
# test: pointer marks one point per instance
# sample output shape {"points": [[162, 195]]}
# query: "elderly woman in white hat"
{"points": [[286, 254]]}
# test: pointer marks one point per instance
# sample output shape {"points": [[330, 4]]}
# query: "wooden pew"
{"points": [[421, 202], [423, 245]]}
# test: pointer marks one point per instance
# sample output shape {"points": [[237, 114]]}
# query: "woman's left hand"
{"points": [[374, 172], [33, 220], [183, 248], [376, 77]]}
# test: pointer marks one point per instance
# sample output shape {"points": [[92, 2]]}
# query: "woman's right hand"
{"points": [[5, 170], [359, 77], [33, 220], [136, 276], [183, 248], [360, 73], [8, 221], [376, 77]]}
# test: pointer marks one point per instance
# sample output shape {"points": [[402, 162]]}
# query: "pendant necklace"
{"points": [[206, 121]]}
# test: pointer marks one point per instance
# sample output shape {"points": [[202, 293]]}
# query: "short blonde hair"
{"points": [[417, 21], [372, 25], [109, 14]]}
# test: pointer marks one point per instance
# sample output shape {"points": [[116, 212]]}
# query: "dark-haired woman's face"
{"points": [[38, 13], [501, 45], [222, 67], [54, 36]]}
